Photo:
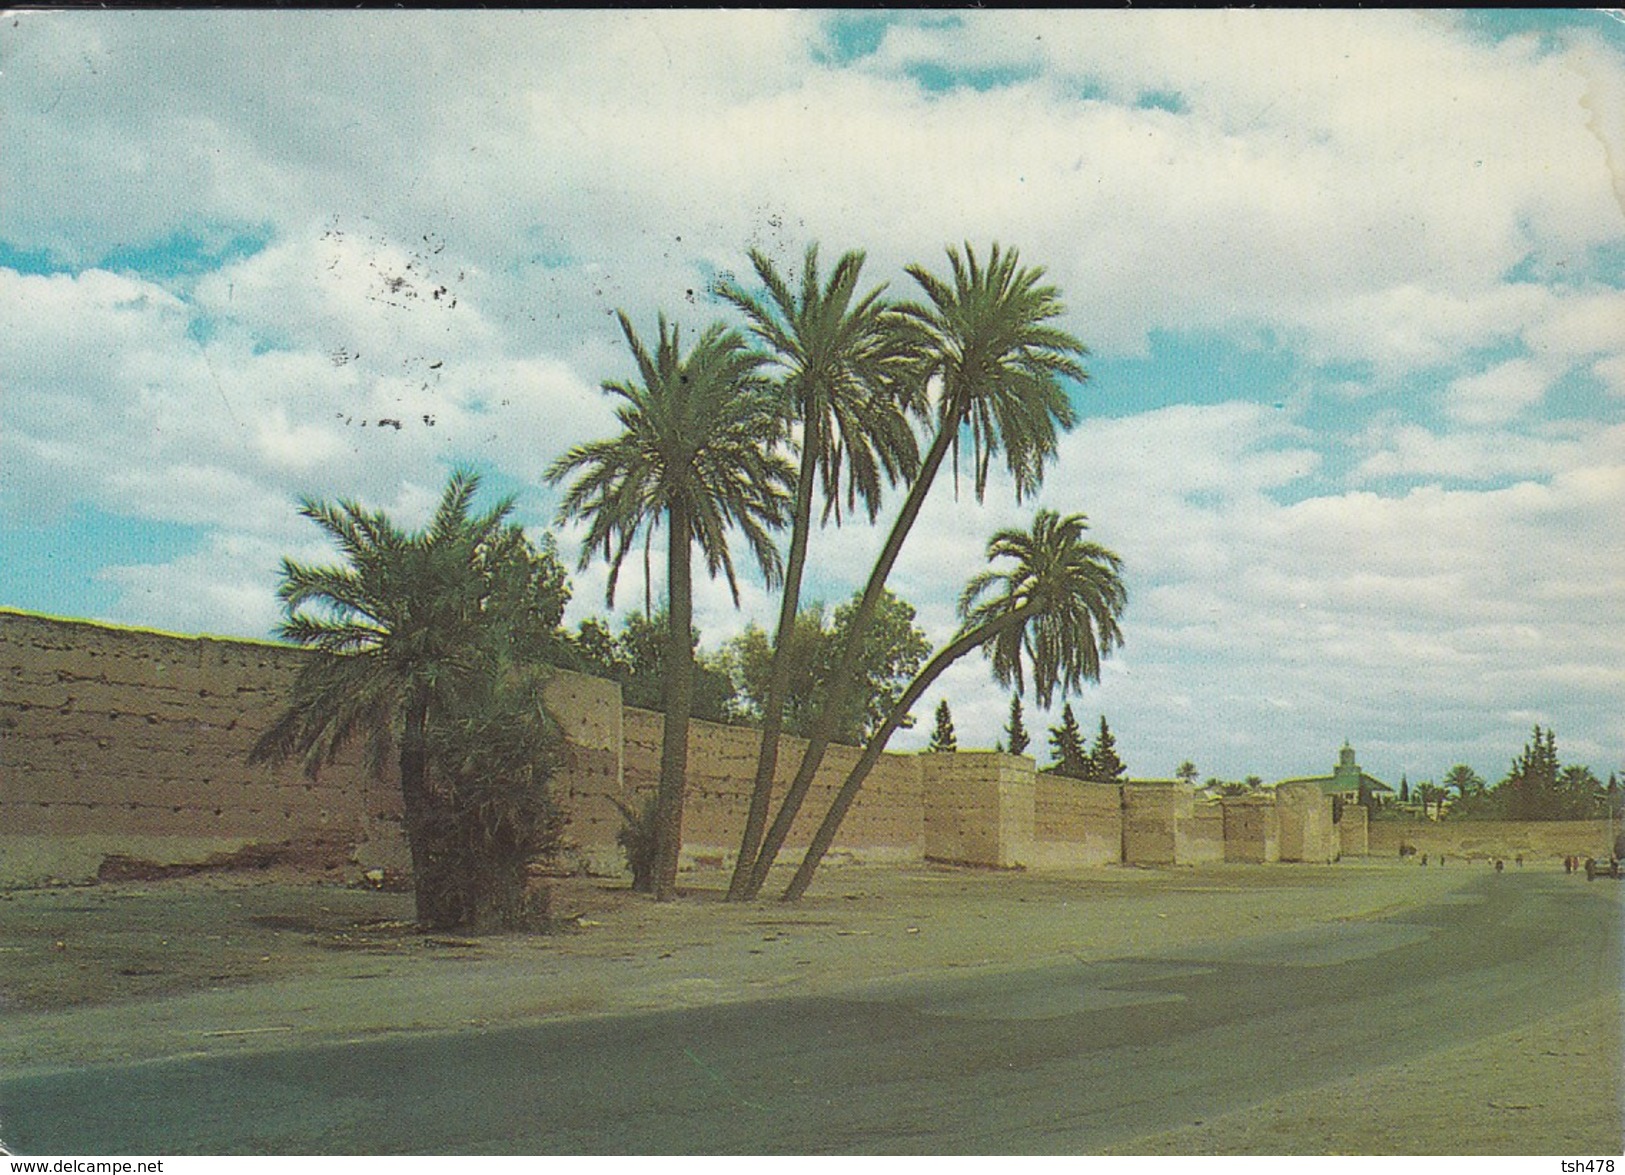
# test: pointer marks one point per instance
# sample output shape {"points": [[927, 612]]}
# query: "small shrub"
{"points": [[637, 840], [491, 813]]}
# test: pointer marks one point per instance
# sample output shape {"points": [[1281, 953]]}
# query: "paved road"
{"points": [[1063, 1058]]}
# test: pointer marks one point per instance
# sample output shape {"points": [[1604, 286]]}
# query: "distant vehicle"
{"points": [[1608, 867]]}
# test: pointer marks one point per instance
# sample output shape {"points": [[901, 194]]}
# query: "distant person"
{"points": [[1499, 864], [1441, 860], [1424, 860], [1519, 859]]}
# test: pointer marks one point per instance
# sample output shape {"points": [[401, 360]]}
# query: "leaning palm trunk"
{"points": [[679, 701], [843, 679], [825, 836], [767, 758]]}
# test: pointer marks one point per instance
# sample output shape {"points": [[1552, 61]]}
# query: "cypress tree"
{"points": [[1016, 730], [1104, 765], [942, 738], [1066, 741]]}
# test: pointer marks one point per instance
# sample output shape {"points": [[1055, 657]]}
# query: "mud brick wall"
{"points": [[979, 808], [1353, 836], [885, 823], [130, 742], [588, 711], [123, 740], [1200, 836], [1076, 824], [1307, 831], [1544, 840], [1252, 829], [1151, 814]]}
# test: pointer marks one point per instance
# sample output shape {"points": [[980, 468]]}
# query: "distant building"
{"points": [[1346, 779]]}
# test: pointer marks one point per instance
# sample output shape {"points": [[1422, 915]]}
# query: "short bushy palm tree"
{"points": [[1464, 780], [1054, 606], [697, 454], [998, 365], [413, 627], [846, 378]]}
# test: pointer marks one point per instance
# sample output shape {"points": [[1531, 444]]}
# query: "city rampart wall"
{"points": [[120, 743], [1537, 840]]}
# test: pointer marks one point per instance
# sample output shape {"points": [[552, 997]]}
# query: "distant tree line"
{"points": [[1537, 786]]}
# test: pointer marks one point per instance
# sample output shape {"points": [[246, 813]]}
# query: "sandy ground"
{"points": [[136, 971]]}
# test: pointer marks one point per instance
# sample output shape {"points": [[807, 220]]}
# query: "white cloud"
{"points": [[1498, 395], [1355, 188]]}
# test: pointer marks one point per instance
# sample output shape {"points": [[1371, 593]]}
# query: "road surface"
{"points": [[1062, 1058]]}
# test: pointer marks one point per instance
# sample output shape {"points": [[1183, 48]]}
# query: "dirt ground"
{"points": [[126, 971]]}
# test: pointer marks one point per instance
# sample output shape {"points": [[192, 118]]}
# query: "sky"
{"points": [[1353, 286]]}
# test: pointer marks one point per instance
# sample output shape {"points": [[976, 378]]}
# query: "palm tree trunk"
{"points": [[778, 685], [415, 804], [842, 680], [679, 699], [825, 836]]}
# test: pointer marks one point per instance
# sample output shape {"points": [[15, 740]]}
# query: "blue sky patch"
{"points": [[936, 78], [35, 262], [59, 568], [185, 253]]}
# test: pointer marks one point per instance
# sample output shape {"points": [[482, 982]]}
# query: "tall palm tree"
{"points": [[1055, 606], [845, 380], [697, 454], [409, 621], [1464, 780], [997, 364]]}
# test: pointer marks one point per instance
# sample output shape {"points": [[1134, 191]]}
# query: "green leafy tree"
{"points": [[844, 375], [1016, 730], [637, 660], [998, 363], [892, 652], [886, 654], [1580, 794], [1187, 773], [1404, 790], [1104, 765], [749, 658], [1067, 745], [1253, 782], [428, 641], [943, 737], [695, 455], [1055, 603]]}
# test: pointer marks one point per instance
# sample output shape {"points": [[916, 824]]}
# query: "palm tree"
{"points": [[1464, 780], [409, 623], [1056, 606], [845, 381], [697, 453], [998, 365], [1429, 795]]}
